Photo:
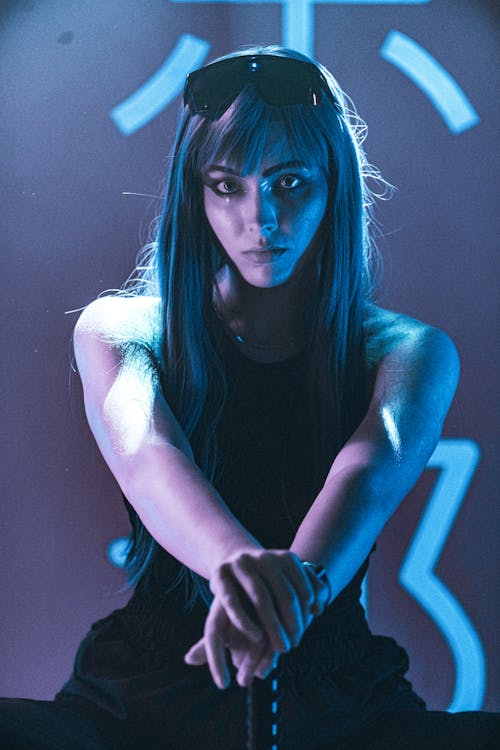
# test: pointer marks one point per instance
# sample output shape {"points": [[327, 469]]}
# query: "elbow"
{"points": [[369, 483], [154, 468]]}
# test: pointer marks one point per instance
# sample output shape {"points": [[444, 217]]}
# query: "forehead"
{"points": [[266, 149], [276, 149]]}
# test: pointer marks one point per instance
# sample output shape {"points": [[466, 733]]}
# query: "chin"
{"points": [[266, 280], [266, 276]]}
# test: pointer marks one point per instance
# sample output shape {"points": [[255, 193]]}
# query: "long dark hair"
{"points": [[180, 264]]}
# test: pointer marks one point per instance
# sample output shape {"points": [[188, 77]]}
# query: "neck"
{"points": [[272, 317]]}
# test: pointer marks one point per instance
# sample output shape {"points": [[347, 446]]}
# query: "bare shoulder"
{"points": [[394, 336], [415, 370], [411, 363], [114, 317], [109, 324]]}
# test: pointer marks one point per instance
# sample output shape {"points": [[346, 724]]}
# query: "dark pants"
{"points": [[46, 725], [128, 694]]}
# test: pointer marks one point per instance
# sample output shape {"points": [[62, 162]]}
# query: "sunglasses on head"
{"points": [[210, 91]]}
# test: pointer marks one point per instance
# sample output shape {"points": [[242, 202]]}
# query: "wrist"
{"points": [[232, 551], [320, 573]]}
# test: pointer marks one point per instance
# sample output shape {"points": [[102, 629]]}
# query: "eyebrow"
{"points": [[293, 164]]}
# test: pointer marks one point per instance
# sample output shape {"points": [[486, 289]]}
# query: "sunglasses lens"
{"points": [[211, 90], [281, 84]]}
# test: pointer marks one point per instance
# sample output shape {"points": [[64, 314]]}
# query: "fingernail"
{"points": [[244, 680]]}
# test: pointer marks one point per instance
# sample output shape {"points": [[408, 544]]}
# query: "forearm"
{"points": [[382, 460], [151, 458], [181, 509], [344, 521]]}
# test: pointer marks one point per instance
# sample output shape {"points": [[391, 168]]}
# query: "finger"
{"points": [[248, 666], [237, 658], [257, 591], [266, 665], [215, 647], [229, 592], [196, 654], [301, 581], [286, 600]]}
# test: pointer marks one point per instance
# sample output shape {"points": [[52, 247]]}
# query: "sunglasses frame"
{"points": [[262, 71]]}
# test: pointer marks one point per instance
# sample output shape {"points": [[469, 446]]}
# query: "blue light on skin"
{"points": [[162, 88], [364, 594], [281, 207], [394, 438], [432, 79], [392, 431]]}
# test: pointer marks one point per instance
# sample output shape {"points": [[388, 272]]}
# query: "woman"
{"points": [[263, 419]]}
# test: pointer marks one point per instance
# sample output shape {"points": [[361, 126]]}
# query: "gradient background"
{"points": [[68, 233]]}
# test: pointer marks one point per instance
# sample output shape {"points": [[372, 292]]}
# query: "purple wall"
{"points": [[68, 233]]}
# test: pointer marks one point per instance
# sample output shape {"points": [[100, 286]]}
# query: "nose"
{"points": [[264, 214]]}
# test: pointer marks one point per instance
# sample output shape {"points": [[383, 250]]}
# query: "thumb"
{"points": [[196, 654]]}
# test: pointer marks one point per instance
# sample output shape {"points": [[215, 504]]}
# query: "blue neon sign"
{"points": [[398, 49], [432, 79]]}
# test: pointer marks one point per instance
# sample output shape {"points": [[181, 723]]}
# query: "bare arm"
{"points": [[146, 450], [152, 461], [416, 377]]}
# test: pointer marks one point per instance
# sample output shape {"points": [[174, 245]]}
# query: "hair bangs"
{"points": [[241, 136], [238, 137], [304, 138]]}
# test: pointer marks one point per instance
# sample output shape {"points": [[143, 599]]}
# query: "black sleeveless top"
{"points": [[132, 662], [265, 443], [266, 476]]}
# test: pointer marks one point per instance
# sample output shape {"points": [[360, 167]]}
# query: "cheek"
{"points": [[310, 217], [210, 209], [223, 217]]}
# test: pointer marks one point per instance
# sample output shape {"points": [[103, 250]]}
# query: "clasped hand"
{"points": [[263, 602]]}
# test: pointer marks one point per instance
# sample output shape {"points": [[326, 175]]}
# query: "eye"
{"points": [[225, 187], [289, 182]]}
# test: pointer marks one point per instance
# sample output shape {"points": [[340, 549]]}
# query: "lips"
{"points": [[266, 254]]}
